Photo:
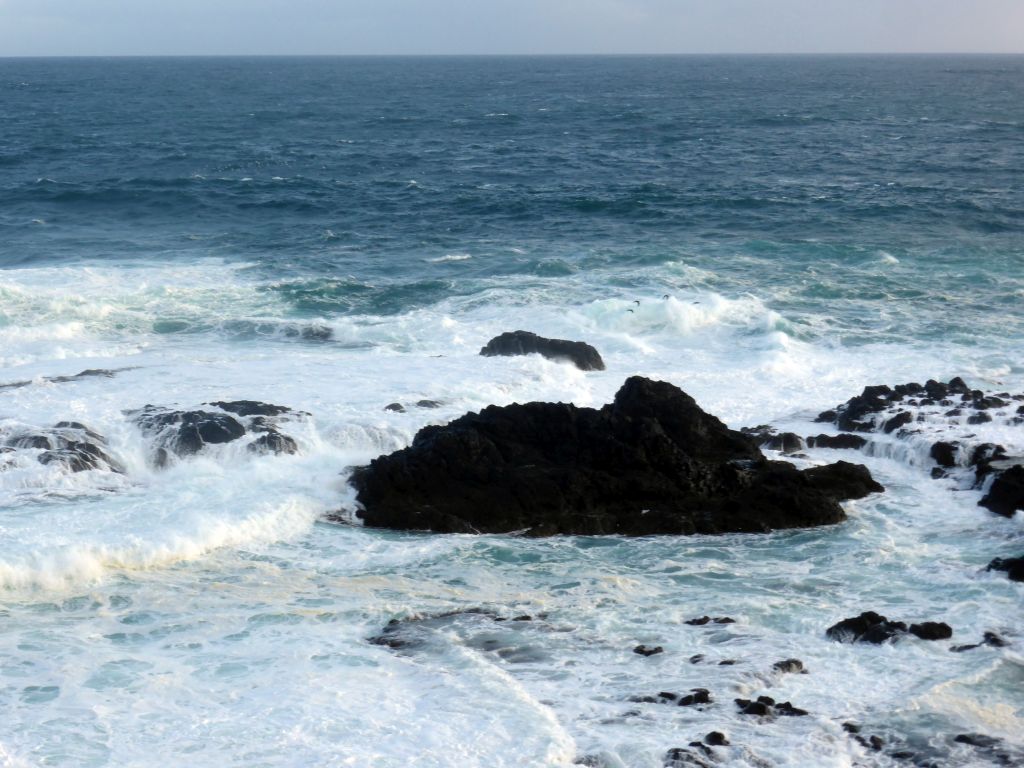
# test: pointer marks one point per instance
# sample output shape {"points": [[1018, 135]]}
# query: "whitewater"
{"points": [[219, 610]]}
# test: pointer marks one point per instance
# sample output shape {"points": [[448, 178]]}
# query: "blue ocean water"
{"points": [[335, 234]]}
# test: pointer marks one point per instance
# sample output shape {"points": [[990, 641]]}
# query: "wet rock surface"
{"points": [[1013, 567], [514, 343], [69, 444], [651, 462], [871, 627], [177, 433]]}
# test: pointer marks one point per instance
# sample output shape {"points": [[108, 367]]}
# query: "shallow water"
{"points": [[336, 235]]}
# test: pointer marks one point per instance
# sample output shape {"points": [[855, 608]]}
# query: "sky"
{"points": [[225, 27]]}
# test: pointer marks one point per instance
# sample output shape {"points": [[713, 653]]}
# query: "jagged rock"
{"points": [[186, 432], [1006, 495], [251, 408], [931, 630], [944, 454], [840, 442], [901, 419], [70, 444], [989, 638], [1012, 566], [789, 665], [183, 433], [707, 619], [869, 627], [273, 442], [646, 650], [396, 407], [767, 706], [514, 343], [786, 442], [650, 462]]}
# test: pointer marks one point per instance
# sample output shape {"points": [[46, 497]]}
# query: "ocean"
{"points": [[770, 234]]}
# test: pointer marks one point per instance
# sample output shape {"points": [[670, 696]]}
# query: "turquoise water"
{"points": [[338, 234]]}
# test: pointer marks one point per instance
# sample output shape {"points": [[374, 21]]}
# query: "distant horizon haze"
{"points": [[507, 27]]}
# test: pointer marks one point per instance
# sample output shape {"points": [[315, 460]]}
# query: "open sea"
{"points": [[771, 234]]}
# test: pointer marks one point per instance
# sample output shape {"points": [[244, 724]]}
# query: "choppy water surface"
{"points": [[337, 234]]}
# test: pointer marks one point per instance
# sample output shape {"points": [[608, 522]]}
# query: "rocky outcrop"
{"points": [[871, 627], [1006, 494], [185, 433], [514, 343], [1012, 566], [68, 444], [651, 462], [951, 410]]}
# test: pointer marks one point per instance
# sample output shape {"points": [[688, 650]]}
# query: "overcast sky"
{"points": [[159, 27]]}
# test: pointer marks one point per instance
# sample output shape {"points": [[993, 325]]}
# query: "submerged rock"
{"points": [[651, 462], [514, 343], [69, 444]]}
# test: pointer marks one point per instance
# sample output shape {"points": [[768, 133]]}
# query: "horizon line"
{"points": [[493, 55]]}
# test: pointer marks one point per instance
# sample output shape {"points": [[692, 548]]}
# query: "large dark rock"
{"points": [[513, 343], [186, 432], [1006, 495], [844, 441], [1012, 566], [651, 462], [869, 627]]}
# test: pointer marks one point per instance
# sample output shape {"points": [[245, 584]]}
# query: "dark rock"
{"points": [[789, 665], [79, 457], [1006, 495], [840, 442], [850, 481], [69, 444], [396, 407], [748, 707], [931, 630], [582, 355], [994, 640], [697, 658], [787, 442], [977, 740], [851, 727], [707, 619], [679, 757], [957, 386], [716, 739], [428, 403], [1012, 566], [869, 627], [699, 696], [761, 434], [989, 638], [646, 650], [727, 662], [650, 462], [899, 420], [273, 442], [991, 401], [251, 408], [944, 453], [788, 710], [979, 418], [186, 432]]}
